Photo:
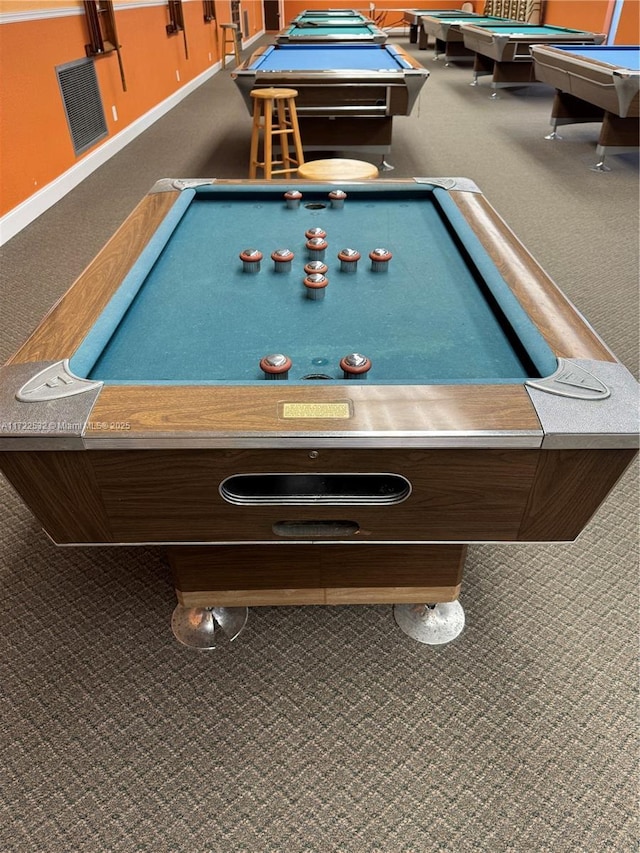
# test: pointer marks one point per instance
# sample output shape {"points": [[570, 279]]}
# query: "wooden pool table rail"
{"points": [[66, 325]]}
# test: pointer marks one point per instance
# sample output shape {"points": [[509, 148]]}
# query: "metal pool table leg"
{"points": [[215, 584], [206, 628], [432, 624]]}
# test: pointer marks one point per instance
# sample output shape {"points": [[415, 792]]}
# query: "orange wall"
{"points": [[590, 16], [35, 143], [392, 15], [595, 16], [629, 26]]}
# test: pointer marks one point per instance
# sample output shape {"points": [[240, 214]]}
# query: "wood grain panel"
{"points": [[619, 131], [190, 410], [67, 323], [60, 490], [173, 496], [315, 574], [558, 321], [326, 596], [569, 487]]}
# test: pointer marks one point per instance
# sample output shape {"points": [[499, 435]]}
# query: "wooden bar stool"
{"points": [[338, 169], [278, 126], [230, 37]]}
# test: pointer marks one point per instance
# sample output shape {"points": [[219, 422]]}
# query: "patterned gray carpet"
{"points": [[327, 729]]}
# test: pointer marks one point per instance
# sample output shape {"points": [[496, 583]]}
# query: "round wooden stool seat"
{"points": [[273, 94], [337, 169]]}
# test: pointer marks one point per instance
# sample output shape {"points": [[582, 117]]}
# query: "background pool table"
{"points": [[594, 83], [349, 15], [503, 51], [332, 30], [447, 34], [393, 477], [412, 17], [358, 87]]}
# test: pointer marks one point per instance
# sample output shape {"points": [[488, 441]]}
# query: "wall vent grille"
{"points": [[82, 102]]}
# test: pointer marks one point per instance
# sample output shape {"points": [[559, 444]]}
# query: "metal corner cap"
{"points": [[54, 382], [587, 403], [164, 185], [462, 184]]}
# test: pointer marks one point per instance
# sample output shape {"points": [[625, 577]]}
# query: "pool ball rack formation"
{"points": [[315, 279]]}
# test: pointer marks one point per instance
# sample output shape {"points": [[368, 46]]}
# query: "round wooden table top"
{"points": [[337, 169]]}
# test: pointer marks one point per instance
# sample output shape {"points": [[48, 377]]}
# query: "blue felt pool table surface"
{"points": [[621, 56], [330, 57], [193, 316]]}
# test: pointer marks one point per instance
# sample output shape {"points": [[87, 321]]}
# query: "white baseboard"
{"points": [[19, 217]]}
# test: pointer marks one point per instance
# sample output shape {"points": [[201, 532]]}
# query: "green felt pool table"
{"points": [[413, 18], [331, 31], [347, 15], [142, 409], [503, 51], [446, 32]]}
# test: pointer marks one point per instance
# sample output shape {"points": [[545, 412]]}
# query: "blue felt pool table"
{"points": [[348, 94], [503, 51], [594, 83], [142, 409]]}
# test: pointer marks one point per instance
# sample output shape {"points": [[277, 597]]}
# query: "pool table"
{"points": [[348, 94], [324, 14], [447, 35], [293, 450], [413, 17], [503, 51], [330, 30], [594, 83]]}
